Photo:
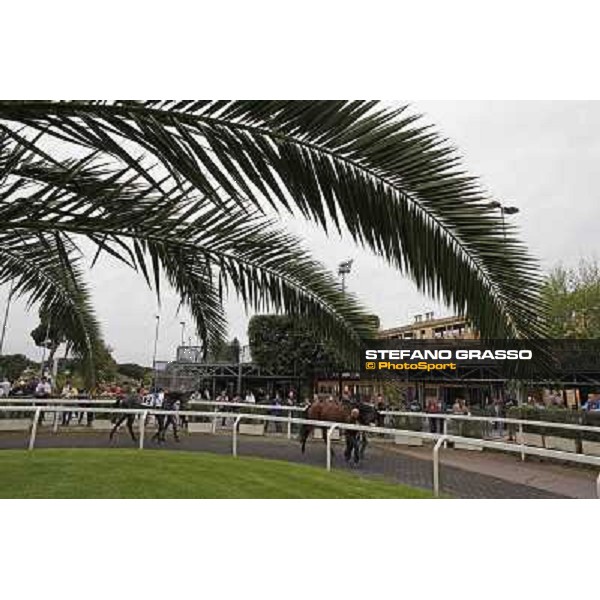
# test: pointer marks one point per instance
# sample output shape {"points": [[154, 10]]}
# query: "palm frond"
{"points": [[202, 247], [393, 182], [47, 270]]}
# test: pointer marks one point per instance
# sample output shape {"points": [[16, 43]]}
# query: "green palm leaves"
{"points": [[394, 185]]}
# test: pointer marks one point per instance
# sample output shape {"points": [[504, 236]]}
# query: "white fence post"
{"points": [[521, 440], [289, 425], [143, 428], [235, 437], [34, 425], [329, 434], [214, 421], [55, 422], [598, 486], [436, 466], [445, 430]]}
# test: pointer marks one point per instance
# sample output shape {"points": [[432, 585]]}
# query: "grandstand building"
{"points": [[426, 327]]}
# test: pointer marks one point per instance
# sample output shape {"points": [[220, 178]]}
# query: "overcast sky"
{"points": [[540, 156]]}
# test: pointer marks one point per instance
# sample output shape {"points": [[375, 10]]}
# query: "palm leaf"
{"points": [[394, 183], [202, 248]]}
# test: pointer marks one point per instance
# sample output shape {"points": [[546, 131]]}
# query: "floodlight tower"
{"points": [[504, 210], [344, 268]]}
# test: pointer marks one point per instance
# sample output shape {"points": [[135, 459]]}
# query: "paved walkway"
{"points": [[464, 474], [572, 481]]}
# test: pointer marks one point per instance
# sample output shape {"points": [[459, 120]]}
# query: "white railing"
{"points": [[331, 427], [34, 400], [48, 401], [216, 414], [448, 417], [105, 401], [490, 419], [217, 403]]}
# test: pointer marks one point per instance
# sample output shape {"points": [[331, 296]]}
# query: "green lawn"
{"points": [[83, 473]]}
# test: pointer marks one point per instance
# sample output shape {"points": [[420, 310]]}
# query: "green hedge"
{"points": [[472, 429], [558, 415], [17, 414], [407, 423]]}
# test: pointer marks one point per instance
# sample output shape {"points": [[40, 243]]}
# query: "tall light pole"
{"points": [[508, 210], [344, 269], [8, 301], [46, 341], [182, 323], [155, 349]]}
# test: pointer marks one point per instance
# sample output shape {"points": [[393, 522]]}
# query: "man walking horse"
{"points": [[354, 412]]}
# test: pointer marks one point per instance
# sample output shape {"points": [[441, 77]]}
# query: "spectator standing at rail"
{"points": [[276, 412], [223, 397], [43, 390], [250, 399], [498, 411], [68, 393], [85, 395], [433, 407], [4, 387], [460, 408]]}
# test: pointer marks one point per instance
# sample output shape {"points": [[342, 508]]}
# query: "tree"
{"points": [[181, 188], [573, 300], [48, 334], [225, 352], [134, 371], [289, 346], [105, 364], [12, 365], [105, 368]]}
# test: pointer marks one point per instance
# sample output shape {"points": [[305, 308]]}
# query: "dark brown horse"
{"points": [[335, 411]]}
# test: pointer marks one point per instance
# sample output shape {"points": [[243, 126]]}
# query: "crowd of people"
{"points": [[36, 387], [43, 387]]}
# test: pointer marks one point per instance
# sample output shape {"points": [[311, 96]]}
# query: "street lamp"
{"points": [[508, 210], [344, 269], [155, 348], [8, 301], [182, 323]]}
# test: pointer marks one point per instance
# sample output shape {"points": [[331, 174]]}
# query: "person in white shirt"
{"points": [[43, 389], [5, 387], [68, 392], [250, 399]]}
